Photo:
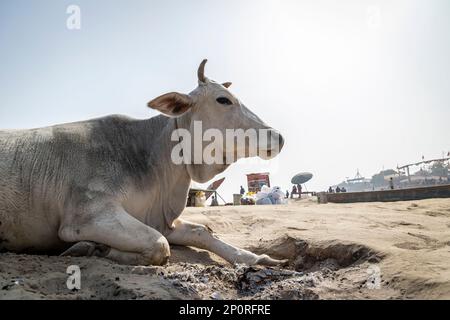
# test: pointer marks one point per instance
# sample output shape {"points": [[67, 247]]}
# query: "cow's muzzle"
{"points": [[275, 143]]}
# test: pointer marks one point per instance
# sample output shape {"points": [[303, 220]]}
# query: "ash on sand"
{"points": [[44, 277]]}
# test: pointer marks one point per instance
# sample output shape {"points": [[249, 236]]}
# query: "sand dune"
{"points": [[398, 250]]}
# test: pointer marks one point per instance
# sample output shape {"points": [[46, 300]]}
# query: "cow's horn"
{"points": [[201, 71]]}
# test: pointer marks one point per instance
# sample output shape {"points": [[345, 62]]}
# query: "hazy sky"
{"points": [[350, 84]]}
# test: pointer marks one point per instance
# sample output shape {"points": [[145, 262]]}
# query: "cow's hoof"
{"points": [[86, 249], [265, 260]]}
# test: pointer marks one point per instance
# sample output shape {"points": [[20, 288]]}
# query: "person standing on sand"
{"points": [[214, 202], [299, 190], [242, 191], [287, 194], [294, 191]]}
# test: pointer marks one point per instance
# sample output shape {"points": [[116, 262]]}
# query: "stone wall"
{"points": [[440, 191]]}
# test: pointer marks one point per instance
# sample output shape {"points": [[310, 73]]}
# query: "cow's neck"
{"points": [[163, 193], [161, 196]]}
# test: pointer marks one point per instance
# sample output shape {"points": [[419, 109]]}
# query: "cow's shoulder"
{"points": [[113, 120], [93, 129], [116, 119]]}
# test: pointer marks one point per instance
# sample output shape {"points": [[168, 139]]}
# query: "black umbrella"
{"points": [[301, 178]]}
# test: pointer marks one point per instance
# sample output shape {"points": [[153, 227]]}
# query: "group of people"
{"points": [[338, 190], [295, 190]]}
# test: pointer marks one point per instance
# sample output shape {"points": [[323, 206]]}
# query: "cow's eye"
{"points": [[223, 100]]}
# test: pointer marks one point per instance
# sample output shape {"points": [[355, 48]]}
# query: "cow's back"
{"points": [[44, 169]]}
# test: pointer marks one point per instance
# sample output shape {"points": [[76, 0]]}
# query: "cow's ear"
{"points": [[227, 84], [172, 104]]}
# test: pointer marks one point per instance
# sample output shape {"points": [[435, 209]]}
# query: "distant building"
{"points": [[431, 172]]}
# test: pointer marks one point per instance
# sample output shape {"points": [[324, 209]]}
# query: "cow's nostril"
{"points": [[280, 141]]}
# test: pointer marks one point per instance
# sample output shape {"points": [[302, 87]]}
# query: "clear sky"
{"points": [[350, 84]]}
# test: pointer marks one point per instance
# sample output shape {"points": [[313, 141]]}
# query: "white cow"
{"points": [[109, 187]]}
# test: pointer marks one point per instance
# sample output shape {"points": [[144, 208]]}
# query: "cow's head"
{"points": [[214, 110]]}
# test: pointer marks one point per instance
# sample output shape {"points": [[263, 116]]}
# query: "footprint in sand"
{"points": [[409, 246], [426, 243], [395, 224]]}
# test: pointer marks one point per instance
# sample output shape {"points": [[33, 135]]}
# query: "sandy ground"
{"points": [[398, 250]]}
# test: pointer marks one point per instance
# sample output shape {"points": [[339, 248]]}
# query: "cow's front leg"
{"points": [[127, 240], [196, 235]]}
